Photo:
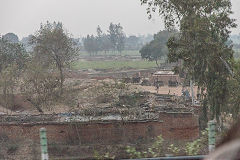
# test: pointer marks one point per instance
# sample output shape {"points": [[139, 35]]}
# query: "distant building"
{"points": [[165, 77]]}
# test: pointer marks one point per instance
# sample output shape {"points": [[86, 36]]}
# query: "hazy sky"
{"points": [[81, 17]]}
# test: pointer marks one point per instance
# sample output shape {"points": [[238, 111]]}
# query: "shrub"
{"points": [[173, 149]]}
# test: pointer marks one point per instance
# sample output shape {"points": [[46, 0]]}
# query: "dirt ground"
{"points": [[90, 94], [84, 92], [167, 90]]}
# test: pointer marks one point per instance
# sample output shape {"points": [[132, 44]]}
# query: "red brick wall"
{"points": [[170, 125]]}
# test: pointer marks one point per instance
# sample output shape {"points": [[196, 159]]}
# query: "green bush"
{"points": [[173, 149], [193, 148], [102, 157], [154, 151]]}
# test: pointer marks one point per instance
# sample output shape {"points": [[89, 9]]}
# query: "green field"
{"points": [[124, 53], [115, 65]]}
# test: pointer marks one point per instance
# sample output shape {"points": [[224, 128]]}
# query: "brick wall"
{"points": [[174, 126]]}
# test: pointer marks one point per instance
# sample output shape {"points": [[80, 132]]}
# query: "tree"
{"points": [[91, 44], [40, 85], [234, 92], [121, 42], [26, 43], [113, 35], [54, 46], [9, 78], [11, 54], [204, 30], [12, 63], [99, 38], [157, 48], [117, 36], [106, 43], [11, 37], [132, 43], [99, 32]]}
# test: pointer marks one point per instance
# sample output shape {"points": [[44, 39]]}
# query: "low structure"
{"points": [[165, 77]]}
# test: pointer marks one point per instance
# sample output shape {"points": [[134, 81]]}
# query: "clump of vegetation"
{"points": [[173, 149], [133, 153], [154, 151], [194, 147], [102, 157]]}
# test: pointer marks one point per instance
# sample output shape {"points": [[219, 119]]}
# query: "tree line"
{"points": [[114, 40]]}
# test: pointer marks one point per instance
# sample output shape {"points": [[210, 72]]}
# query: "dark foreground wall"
{"points": [[172, 126]]}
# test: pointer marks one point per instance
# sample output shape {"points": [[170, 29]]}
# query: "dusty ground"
{"points": [[89, 88], [92, 96], [167, 90]]}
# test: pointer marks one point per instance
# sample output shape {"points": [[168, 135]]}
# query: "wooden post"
{"points": [[43, 142]]}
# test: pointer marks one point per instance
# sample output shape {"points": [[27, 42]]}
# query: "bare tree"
{"points": [[54, 47]]}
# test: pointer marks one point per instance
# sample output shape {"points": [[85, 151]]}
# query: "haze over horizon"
{"points": [[81, 17]]}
